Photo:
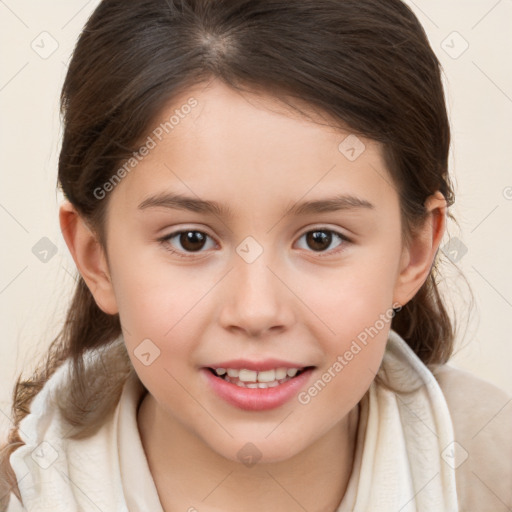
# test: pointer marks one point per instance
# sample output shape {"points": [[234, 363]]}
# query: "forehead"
{"points": [[248, 149]]}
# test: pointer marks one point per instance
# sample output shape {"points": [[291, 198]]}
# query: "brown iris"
{"points": [[319, 240]]}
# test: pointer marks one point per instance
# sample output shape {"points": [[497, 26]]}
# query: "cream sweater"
{"points": [[443, 443]]}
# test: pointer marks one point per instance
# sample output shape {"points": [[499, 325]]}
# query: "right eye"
{"points": [[191, 240]]}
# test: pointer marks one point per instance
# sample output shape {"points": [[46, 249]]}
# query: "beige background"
{"points": [[34, 293]]}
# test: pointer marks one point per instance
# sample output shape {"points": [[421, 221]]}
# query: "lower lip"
{"points": [[256, 399]]}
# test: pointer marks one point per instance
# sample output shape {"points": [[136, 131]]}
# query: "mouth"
{"points": [[254, 379], [253, 390]]}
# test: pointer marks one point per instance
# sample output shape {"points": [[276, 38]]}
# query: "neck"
{"points": [[189, 475]]}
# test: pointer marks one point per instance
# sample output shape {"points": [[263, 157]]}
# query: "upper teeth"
{"points": [[253, 376]]}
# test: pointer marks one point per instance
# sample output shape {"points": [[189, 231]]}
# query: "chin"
{"points": [[251, 449]]}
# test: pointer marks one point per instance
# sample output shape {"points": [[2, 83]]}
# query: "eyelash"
{"points": [[165, 242]]}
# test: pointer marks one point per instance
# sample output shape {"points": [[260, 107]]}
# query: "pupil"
{"points": [[189, 238], [319, 240]]}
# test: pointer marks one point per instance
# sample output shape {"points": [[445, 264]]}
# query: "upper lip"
{"points": [[265, 364]]}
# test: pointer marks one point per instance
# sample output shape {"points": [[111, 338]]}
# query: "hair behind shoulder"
{"points": [[94, 389], [367, 64]]}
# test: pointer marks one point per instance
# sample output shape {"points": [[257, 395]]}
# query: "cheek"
{"points": [[159, 316], [353, 314], [340, 385], [153, 305], [343, 302], [353, 353], [152, 295]]}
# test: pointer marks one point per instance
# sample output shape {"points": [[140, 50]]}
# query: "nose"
{"points": [[257, 299]]}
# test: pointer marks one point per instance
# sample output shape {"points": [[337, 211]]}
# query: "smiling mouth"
{"points": [[254, 379]]}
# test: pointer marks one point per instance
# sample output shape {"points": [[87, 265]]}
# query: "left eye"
{"points": [[321, 239]]}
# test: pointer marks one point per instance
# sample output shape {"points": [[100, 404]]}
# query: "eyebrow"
{"points": [[181, 202]]}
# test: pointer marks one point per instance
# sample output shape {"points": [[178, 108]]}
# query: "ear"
{"points": [[417, 259], [89, 257]]}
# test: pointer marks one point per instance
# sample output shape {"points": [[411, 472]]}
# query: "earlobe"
{"points": [[89, 257], [417, 259]]}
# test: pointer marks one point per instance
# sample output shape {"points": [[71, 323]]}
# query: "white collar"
{"points": [[400, 460]]}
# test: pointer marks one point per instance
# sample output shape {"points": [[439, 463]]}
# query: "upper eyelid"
{"points": [[172, 234], [320, 227]]}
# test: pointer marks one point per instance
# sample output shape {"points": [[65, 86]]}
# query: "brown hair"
{"points": [[366, 63]]}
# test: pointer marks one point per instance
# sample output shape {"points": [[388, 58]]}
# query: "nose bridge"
{"points": [[256, 299]]}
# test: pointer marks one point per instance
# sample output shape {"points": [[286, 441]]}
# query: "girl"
{"points": [[295, 359]]}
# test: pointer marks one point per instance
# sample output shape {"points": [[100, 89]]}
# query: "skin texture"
{"points": [[248, 153]]}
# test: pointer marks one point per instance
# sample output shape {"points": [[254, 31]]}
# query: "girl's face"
{"points": [[290, 257]]}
